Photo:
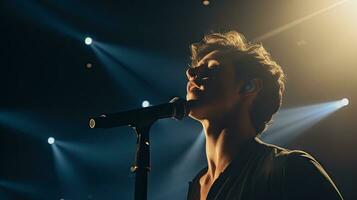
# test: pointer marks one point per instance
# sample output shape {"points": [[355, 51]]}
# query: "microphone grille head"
{"points": [[174, 99], [180, 107], [91, 123]]}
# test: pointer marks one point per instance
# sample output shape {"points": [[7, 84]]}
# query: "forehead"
{"points": [[218, 55]]}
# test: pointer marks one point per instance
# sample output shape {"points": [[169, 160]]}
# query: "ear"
{"points": [[251, 88]]}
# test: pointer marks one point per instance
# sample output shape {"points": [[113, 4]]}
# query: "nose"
{"points": [[191, 73], [195, 72]]}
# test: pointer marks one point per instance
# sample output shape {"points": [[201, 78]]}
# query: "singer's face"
{"points": [[213, 84]]}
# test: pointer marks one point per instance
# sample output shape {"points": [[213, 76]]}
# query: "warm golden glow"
{"points": [[296, 22]]}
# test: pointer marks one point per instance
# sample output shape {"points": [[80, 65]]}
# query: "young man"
{"points": [[238, 87]]}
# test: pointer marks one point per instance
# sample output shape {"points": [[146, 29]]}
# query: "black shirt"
{"points": [[264, 171]]}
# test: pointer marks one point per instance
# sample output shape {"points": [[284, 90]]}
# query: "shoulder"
{"points": [[288, 157], [279, 154], [301, 175]]}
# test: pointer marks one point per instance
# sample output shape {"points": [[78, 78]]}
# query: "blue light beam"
{"points": [[110, 154], [292, 122], [36, 11], [66, 173], [188, 164], [24, 122], [163, 72], [127, 84], [24, 188]]}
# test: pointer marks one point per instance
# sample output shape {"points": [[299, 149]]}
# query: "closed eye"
{"points": [[213, 64]]}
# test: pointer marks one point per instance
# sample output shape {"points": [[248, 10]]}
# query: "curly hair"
{"points": [[251, 61]]}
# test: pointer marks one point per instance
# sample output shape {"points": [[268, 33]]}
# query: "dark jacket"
{"points": [[264, 171]]}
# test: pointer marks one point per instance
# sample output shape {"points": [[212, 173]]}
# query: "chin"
{"points": [[206, 107], [197, 115], [201, 109]]}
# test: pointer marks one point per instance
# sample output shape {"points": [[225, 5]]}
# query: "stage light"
{"points": [[88, 41], [205, 2], [145, 104], [89, 65], [51, 140], [344, 102]]}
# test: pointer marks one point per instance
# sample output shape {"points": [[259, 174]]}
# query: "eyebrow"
{"points": [[205, 59]]}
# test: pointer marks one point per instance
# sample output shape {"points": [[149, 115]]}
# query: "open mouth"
{"points": [[192, 86], [197, 84]]}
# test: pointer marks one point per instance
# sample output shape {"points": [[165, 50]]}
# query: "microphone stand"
{"points": [[177, 108], [141, 168]]}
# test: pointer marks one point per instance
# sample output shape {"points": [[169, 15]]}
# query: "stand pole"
{"points": [[141, 167]]}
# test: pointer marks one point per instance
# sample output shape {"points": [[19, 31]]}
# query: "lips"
{"points": [[197, 84], [191, 86]]}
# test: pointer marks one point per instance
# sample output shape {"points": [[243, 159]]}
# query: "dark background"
{"points": [[46, 89]]}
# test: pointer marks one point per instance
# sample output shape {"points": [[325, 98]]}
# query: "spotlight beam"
{"points": [[296, 22], [125, 67], [290, 123], [110, 61], [23, 122], [25, 188], [66, 173], [186, 166], [147, 65], [33, 10]]}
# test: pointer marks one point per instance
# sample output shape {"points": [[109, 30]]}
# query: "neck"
{"points": [[224, 139]]}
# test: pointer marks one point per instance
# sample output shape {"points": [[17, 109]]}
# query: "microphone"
{"points": [[177, 108]]}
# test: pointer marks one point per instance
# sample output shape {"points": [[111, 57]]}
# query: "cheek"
{"points": [[226, 86]]}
